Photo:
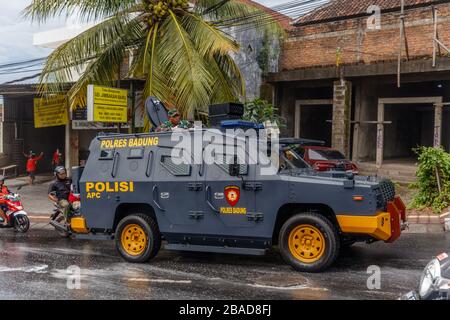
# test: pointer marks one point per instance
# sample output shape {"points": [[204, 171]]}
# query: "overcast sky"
{"points": [[16, 33]]}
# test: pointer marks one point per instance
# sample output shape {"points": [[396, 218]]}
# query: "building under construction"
{"points": [[371, 78]]}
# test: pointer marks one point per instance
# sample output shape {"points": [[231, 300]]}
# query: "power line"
{"points": [[22, 79], [24, 62], [20, 71], [296, 7], [5, 70]]}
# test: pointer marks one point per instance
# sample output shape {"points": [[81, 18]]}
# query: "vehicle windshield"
{"points": [[291, 157], [325, 155]]}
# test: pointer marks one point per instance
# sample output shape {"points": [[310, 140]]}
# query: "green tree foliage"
{"points": [[260, 111], [433, 174], [180, 48]]}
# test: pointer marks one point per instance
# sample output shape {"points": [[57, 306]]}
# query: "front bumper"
{"points": [[385, 226], [412, 295], [397, 213]]}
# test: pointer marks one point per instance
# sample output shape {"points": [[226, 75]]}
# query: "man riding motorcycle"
{"points": [[3, 192], [59, 190]]}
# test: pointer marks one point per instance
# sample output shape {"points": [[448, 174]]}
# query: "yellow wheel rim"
{"points": [[306, 243], [134, 240]]}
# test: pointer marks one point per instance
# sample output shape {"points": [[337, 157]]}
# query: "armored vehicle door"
{"points": [[229, 200], [177, 193]]}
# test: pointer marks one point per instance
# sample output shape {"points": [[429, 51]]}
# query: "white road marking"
{"points": [[35, 269], [160, 280], [297, 287]]}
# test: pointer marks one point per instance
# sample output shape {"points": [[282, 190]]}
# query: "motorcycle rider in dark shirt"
{"points": [[59, 190]]}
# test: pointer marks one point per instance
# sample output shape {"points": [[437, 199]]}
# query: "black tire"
{"points": [[328, 241], [21, 224], [152, 234]]}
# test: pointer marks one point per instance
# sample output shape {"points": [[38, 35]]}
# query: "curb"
{"points": [[417, 228], [39, 217], [40, 223], [429, 224], [24, 183]]}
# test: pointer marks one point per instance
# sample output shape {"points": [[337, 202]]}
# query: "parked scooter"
{"points": [[16, 217], [59, 222]]}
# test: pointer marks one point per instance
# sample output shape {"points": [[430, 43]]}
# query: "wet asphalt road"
{"points": [[34, 266]]}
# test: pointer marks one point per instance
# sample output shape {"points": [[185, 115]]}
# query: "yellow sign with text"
{"points": [[94, 190], [50, 112], [229, 210], [129, 143], [107, 104]]}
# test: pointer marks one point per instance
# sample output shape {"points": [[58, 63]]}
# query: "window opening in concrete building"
{"points": [[412, 126], [315, 123], [313, 120]]}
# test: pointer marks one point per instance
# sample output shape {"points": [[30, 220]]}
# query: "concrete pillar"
{"points": [[71, 148], [437, 141], [380, 135], [356, 128], [267, 92], [287, 109], [297, 120], [342, 104]]}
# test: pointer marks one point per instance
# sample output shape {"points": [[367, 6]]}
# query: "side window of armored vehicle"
{"points": [[301, 151], [223, 161], [136, 153], [107, 154], [175, 166], [291, 157]]}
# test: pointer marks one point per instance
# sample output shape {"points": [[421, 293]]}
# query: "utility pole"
{"points": [[435, 36], [402, 32], [437, 44], [133, 107], [119, 125]]}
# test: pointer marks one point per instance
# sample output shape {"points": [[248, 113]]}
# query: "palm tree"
{"points": [[179, 48]]}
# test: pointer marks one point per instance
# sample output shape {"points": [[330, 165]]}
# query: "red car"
{"points": [[312, 152], [324, 159]]}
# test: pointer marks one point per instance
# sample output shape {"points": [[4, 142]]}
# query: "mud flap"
{"points": [[396, 216], [401, 207]]}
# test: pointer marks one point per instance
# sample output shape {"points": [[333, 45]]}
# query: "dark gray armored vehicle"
{"points": [[133, 190]]}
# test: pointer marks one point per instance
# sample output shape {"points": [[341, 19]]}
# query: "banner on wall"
{"points": [[108, 105], [50, 111]]}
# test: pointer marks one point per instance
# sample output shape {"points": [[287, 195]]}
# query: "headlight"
{"points": [[431, 273], [76, 205]]}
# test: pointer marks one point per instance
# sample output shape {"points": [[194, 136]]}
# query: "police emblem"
{"points": [[232, 194]]}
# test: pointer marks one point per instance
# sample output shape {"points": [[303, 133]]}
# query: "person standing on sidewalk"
{"points": [[32, 165], [57, 157]]}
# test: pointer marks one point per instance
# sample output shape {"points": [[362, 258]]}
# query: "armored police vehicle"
{"points": [[133, 190]]}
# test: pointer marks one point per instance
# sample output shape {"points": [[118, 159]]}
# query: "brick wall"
{"points": [[316, 45]]}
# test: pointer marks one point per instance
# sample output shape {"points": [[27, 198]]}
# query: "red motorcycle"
{"points": [[16, 217]]}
